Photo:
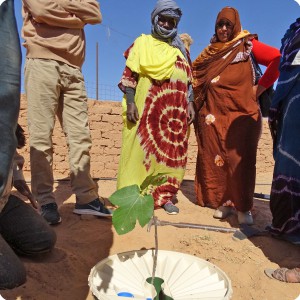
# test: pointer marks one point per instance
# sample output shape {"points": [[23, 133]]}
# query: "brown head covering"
{"points": [[230, 14], [217, 55]]}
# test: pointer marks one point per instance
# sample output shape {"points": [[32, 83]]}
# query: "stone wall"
{"points": [[106, 127]]}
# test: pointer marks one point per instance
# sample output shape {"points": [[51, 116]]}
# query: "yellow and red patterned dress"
{"points": [[158, 142]]}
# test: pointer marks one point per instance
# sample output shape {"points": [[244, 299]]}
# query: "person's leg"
{"points": [[24, 229], [42, 85], [242, 140], [73, 115], [164, 194], [12, 270], [42, 92], [10, 66]]}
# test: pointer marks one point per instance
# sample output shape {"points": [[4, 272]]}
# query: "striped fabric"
{"points": [[285, 122]]}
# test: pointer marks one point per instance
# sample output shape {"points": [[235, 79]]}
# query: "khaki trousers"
{"points": [[55, 88]]}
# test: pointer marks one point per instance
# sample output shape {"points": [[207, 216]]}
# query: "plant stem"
{"points": [[156, 248]]}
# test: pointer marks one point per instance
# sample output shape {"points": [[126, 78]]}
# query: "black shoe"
{"points": [[50, 213], [170, 208], [95, 208]]}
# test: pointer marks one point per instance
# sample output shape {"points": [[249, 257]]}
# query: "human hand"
{"points": [[187, 40], [132, 113], [23, 188], [258, 90], [191, 113]]}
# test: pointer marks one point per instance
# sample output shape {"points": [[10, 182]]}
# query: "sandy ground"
{"points": [[82, 242]]}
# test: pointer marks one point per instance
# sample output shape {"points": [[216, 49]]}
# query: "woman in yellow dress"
{"points": [[157, 107]]}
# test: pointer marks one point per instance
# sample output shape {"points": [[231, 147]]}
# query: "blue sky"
{"points": [[124, 20]]}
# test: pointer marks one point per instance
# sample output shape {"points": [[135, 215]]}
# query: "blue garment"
{"points": [[285, 124], [10, 78], [285, 191], [22, 230], [167, 6], [290, 45]]}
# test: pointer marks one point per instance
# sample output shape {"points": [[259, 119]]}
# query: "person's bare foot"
{"points": [[284, 274]]}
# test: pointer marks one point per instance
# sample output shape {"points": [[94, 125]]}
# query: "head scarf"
{"points": [[230, 14], [217, 55], [216, 47], [290, 45], [167, 8]]}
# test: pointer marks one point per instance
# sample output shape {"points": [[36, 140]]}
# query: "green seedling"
{"points": [[135, 203]]}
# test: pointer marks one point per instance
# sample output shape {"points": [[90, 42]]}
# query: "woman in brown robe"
{"points": [[228, 122]]}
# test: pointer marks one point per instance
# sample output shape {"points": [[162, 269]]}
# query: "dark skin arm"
{"points": [[191, 113], [258, 90], [132, 112], [23, 188], [19, 181]]}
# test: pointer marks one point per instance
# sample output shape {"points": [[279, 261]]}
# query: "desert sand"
{"points": [[84, 241]]}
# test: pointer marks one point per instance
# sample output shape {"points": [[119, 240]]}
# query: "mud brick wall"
{"points": [[106, 130]]}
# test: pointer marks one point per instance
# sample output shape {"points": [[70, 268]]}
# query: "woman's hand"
{"points": [[258, 90], [132, 113], [191, 113]]}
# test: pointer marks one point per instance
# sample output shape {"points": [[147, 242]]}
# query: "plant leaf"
{"points": [[123, 194], [154, 180], [132, 206]]}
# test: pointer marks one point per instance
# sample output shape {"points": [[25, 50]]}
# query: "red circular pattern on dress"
{"points": [[163, 125], [165, 192]]}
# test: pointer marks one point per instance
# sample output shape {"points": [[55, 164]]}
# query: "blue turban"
{"points": [[170, 7], [167, 8], [290, 45]]}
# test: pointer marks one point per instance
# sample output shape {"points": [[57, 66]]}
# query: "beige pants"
{"points": [[54, 88]]}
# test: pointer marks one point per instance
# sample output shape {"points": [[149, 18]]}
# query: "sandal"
{"points": [[284, 274], [170, 208], [223, 212]]}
